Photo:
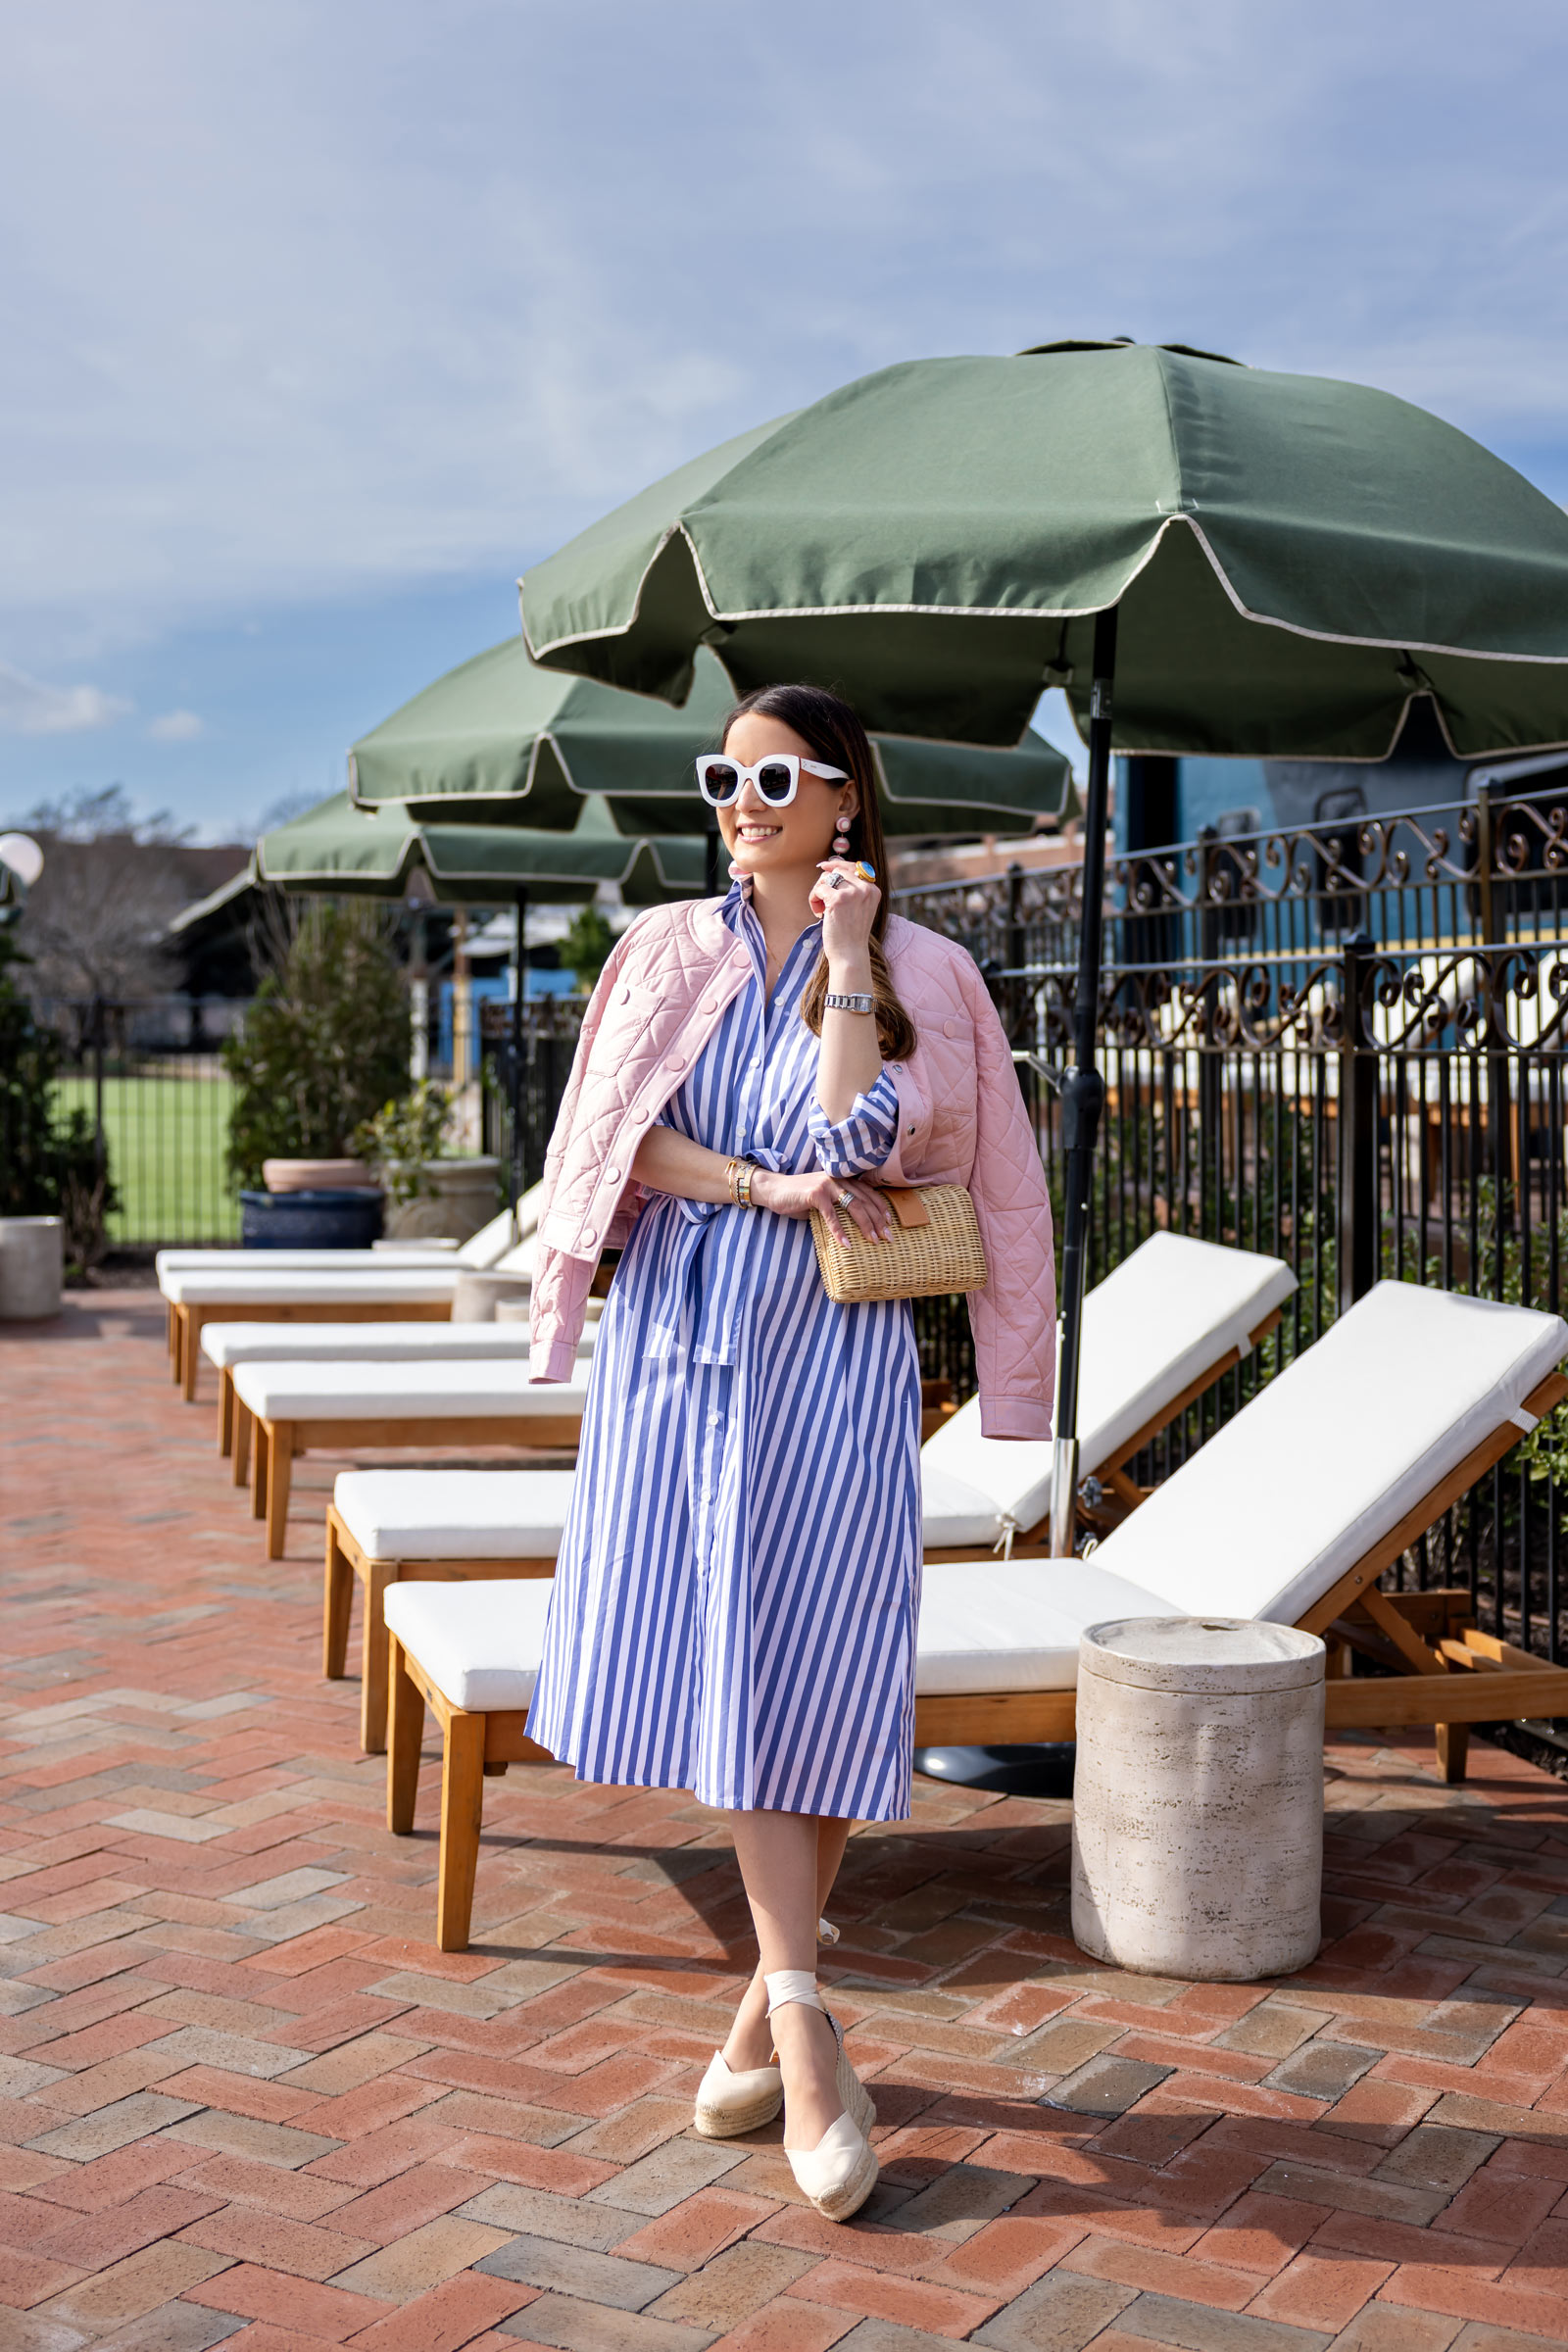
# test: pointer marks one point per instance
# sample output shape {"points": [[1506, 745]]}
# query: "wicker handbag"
{"points": [[934, 1248]]}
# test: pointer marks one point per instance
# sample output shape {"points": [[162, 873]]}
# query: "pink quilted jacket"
{"points": [[961, 1120]]}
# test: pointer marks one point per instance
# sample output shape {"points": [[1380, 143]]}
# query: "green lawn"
{"points": [[167, 1138]]}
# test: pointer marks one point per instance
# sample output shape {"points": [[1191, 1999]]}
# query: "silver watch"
{"points": [[835, 1003]]}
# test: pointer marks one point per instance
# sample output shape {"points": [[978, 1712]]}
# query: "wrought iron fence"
{"points": [[147, 1078], [523, 1078], [1490, 872], [1345, 1048], [1345, 1044]]}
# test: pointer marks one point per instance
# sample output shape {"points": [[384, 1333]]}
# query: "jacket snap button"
{"points": [[639, 1115], [677, 1064], [625, 996], [612, 1175], [590, 1237]]}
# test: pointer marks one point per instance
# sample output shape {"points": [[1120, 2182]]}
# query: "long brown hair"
{"points": [[837, 737]]}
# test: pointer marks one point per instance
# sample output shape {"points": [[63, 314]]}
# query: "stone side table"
{"points": [[32, 1268], [1197, 1803]]}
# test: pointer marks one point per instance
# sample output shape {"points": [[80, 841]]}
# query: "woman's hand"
{"points": [[846, 903], [843, 1200]]}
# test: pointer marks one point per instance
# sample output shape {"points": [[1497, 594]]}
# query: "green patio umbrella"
{"points": [[1292, 557], [338, 849], [374, 852], [500, 741], [1258, 564]]}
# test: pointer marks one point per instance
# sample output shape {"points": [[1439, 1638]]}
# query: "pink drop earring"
{"points": [[840, 840]]}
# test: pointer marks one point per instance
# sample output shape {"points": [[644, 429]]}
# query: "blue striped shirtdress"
{"points": [[735, 1602]]}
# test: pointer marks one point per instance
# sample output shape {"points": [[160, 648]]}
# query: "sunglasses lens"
{"points": [[774, 782], [721, 781]]}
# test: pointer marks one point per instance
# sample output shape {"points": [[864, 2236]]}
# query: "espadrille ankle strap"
{"points": [[787, 1985]]}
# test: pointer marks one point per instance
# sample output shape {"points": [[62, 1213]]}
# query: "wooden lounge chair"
{"points": [[227, 1345], [1168, 1323], [1163, 1327], [1290, 1513], [318, 1286], [282, 1409], [405, 1294]]}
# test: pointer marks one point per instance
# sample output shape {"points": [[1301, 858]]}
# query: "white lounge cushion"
{"points": [[1260, 1523], [375, 1261], [479, 1643], [295, 1390], [248, 1286], [229, 1344], [1173, 1309], [1014, 1625], [953, 1512], [1327, 1459], [454, 1514]]}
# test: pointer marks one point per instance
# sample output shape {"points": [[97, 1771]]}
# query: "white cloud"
{"points": [[176, 726], [303, 303], [27, 707]]}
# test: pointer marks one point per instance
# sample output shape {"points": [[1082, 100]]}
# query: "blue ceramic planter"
{"points": [[323, 1220]]}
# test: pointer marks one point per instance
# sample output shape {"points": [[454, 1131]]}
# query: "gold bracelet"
{"points": [[738, 1175]]}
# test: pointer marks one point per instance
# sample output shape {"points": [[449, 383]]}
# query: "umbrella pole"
{"points": [[515, 1073], [1083, 1092]]}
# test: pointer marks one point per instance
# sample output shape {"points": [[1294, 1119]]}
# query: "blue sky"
{"points": [[318, 323]]}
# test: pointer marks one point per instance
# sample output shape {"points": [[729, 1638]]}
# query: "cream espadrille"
{"points": [[840, 2172]]}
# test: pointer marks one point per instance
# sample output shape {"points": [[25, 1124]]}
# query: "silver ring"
{"points": [[846, 1200], [836, 881]]}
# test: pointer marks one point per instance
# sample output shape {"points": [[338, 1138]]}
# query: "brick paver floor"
{"points": [[243, 2099]]}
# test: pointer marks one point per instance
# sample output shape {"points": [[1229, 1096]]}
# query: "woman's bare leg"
{"points": [[789, 1862], [751, 2040]]}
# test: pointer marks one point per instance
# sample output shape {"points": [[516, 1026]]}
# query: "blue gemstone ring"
{"points": [[867, 873]]}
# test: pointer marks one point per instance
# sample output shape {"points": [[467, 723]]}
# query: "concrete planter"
{"points": [[466, 1198], [1198, 1802], [32, 1268]]}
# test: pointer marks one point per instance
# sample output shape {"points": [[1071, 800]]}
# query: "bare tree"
{"points": [[111, 885]]}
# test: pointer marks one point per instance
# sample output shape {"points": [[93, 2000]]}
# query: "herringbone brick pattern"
{"points": [[243, 2100]]}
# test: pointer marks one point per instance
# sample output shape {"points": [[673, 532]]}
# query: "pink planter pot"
{"points": [[315, 1175]]}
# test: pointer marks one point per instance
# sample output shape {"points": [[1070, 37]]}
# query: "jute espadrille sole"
{"points": [[746, 2103], [858, 2103]]}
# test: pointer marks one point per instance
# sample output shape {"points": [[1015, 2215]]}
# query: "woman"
{"points": [[735, 1602]]}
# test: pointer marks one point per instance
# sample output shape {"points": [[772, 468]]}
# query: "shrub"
{"points": [[402, 1135], [585, 949], [324, 1044], [49, 1166]]}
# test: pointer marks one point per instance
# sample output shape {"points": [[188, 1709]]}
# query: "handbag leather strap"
{"points": [[907, 1207]]}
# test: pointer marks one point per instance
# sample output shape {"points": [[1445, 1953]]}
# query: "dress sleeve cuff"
{"points": [[851, 1146], [1014, 1417]]}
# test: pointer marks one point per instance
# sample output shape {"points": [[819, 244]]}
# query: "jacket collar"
{"points": [[708, 928]]}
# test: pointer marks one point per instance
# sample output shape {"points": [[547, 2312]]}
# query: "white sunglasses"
{"points": [[777, 778]]}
